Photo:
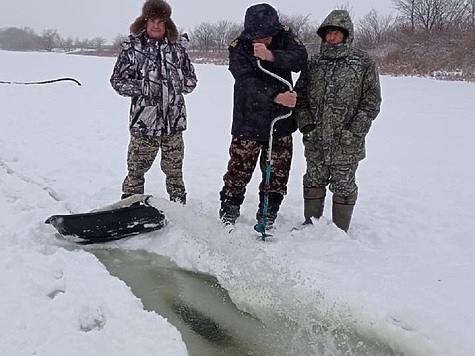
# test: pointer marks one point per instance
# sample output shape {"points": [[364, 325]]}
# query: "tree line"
{"points": [[421, 37], [26, 39]]}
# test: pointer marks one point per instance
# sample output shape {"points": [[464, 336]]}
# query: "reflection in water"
{"points": [[195, 303], [211, 324], [202, 324]]}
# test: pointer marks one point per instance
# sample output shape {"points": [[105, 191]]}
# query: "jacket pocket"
{"points": [[351, 143], [144, 117]]}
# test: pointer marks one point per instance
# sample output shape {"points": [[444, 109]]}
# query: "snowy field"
{"points": [[404, 274]]}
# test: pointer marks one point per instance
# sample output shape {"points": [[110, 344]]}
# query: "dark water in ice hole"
{"points": [[211, 324]]}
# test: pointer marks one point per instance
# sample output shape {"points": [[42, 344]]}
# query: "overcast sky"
{"points": [[107, 18]]}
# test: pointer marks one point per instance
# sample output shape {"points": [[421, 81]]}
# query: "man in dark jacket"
{"points": [[258, 99], [339, 96], [154, 69]]}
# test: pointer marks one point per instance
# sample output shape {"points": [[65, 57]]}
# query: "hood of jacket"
{"points": [[261, 21], [342, 20]]}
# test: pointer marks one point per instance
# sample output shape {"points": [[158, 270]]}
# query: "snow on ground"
{"points": [[403, 274]]}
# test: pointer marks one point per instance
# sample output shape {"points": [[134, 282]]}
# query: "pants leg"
{"points": [[343, 180], [340, 178], [141, 154], [281, 160], [171, 163], [242, 162]]}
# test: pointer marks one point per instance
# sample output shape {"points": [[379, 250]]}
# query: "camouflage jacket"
{"points": [[339, 92], [155, 75], [254, 91]]}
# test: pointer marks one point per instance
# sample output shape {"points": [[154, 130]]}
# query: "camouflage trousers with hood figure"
{"points": [[244, 156], [142, 152]]}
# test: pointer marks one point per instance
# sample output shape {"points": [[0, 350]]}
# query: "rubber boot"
{"points": [[275, 199], [314, 202], [342, 210], [342, 215], [230, 209]]}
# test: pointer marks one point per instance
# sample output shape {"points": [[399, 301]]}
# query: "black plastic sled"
{"points": [[127, 217]]}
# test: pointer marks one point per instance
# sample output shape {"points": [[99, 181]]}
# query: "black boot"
{"points": [[314, 202], [179, 198], [275, 199], [125, 196], [230, 208], [342, 210]]}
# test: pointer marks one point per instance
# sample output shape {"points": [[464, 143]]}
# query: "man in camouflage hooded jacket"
{"points": [[338, 98], [154, 69]]}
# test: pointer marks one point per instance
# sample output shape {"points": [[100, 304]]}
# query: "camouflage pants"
{"points": [[142, 153], [341, 178], [244, 155]]}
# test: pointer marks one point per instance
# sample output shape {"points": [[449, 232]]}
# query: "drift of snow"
{"points": [[403, 274]]}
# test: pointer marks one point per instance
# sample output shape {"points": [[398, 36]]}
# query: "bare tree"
{"points": [[345, 6], [224, 32], [452, 14], [298, 23], [471, 14], [83, 44], [24, 39], [67, 44], [432, 15], [118, 40], [98, 43], [373, 29], [49, 39], [203, 36], [407, 9]]}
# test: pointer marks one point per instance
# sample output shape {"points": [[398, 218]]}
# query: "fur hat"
{"points": [[155, 9]]}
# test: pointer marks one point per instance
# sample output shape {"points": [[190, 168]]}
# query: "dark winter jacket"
{"points": [[155, 75], [254, 91], [339, 92]]}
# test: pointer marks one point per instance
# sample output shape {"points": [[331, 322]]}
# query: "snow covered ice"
{"points": [[403, 274]]}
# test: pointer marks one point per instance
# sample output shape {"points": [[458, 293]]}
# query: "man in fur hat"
{"points": [[154, 69], [258, 99]]}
